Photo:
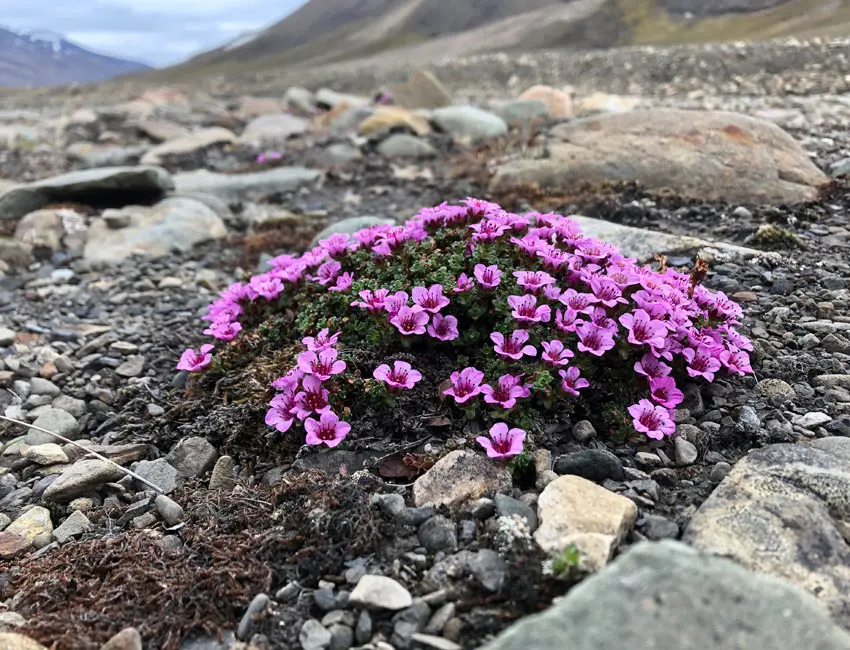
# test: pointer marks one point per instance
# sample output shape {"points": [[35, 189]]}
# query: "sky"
{"points": [[156, 32]]}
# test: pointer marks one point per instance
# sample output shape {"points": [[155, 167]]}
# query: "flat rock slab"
{"points": [[458, 479], [664, 595], [783, 510], [235, 188], [80, 478], [186, 144], [710, 155], [104, 185]]}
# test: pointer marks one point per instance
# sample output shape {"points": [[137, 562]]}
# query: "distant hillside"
{"points": [[47, 59], [419, 31]]}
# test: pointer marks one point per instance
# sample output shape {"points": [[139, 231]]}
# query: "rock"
{"points": [[655, 527], [324, 599], [558, 103], [90, 187], [469, 122], [812, 420], [438, 534], [11, 619], [686, 452], [7, 336], [98, 155], [832, 381], [255, 608], [332, 99], [35, 521], [390, 504], [605, 103], [131, 367], [705, 155], [314, 636], [222, 475], [350, 226], [171, 512], [39, 386], [235, 188], [300, 99], [522, 112], [422, 90], [42, 228], [403, 145], [342, 637], [436, 642], [380, 593], [250, 107], [583, 431], [188, 144], [592, 464], [572, 510], [773, 387], [79, 479], [13, 641], [192, 457], [159, 472], [55, 421], [508, 506], [714, 602], [273, 129], [76, 524], [489, 569], [161, 130], [836, 446], [385, 118], [177, 223], [459, 478], [47, 454], [777, 512], [12, 545], [127, 639]]}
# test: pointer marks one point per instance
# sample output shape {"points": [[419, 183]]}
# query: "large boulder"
{"points": [[559, 104], [469, 123], [203, 139], [703, 154], [173, 224], [386, 118], [664, 595], [421, 90], [234, 188], [105, 185], [783, 510]]}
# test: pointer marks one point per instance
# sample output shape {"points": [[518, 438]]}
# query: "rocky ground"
{"points": [[123, 221]]}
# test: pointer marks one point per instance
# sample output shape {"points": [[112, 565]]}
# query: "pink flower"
{"points": [[328, 271], [323, 364], [410, 320], [503, 442], [556, 354], [533, 281], [312, 399], [372, 301], [464, 283], [327, 431], [343, 282], [196, 361], [525, 309], [643, 330], [663, 391], [431, 299], [651, 367], [223, 331], [322, 341], [594, 339], [506, 393], [401, 377], [266, 286], [652, 420], [701, 362], [289, 382], [607, 291], [487, 230], [393, 303], [279, 414], [443, 327], [566, 321], [571, 381], [737, 362], [335, 244], [581, 303], [487, 276], [466, 384], [552, 292], [514, 347]]}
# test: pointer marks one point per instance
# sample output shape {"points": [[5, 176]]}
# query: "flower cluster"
{"points": [[539, 313]]}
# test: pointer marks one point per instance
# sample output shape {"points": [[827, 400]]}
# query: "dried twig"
{"points": [[86, 449]]}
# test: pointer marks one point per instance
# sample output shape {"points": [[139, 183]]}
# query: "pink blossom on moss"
{"points": [[372, 301], [224, 331], [401, 377], [322, 341], [443, 328], [650, 366], [335, 244], [506, 392], [736, 361], [192, 361], [663, 391], [503, 442], [581, 303], [552, 292], [594, 339], [289, 382], [572, 381], [566, 320], [410, 320], [266, 286], [555, 354], [464, 283], [280, 414], [701, 362], [343, 282], [487, 276], [329, 430], [653, 420], [488, 230], [328, 271], [526, 310], [514, 347], [533, 281], [323, 364], [643, 330], [431, 299], [393, 303], [312, 399], [466, 384]]}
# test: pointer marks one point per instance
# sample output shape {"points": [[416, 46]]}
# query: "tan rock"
{"points": [[605, 103], [127, 639], [459, 478], [161, 130], [422, 90], [35, 521], [41, 228], [12, 641], [573, 510], [559, 103], [47, 454], [12, 545], [325, 120], [189, 143], [251, 107], [388, 117]]}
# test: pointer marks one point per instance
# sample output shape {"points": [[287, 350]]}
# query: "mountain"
{"points": [[419, 31], [48, 59]]}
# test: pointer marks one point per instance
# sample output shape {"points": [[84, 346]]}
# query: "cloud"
{"points": [[158, 32]]}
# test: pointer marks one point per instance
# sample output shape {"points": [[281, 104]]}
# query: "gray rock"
{"points": [[350, 226], [131, 367], [235, 188], [592, 464], [76, 524], [414, 516], [440, 618], [342, 637], [158, 472], [686, 452], [438, 534], [273, 129], [458, 478], [75, 407], [56, 421], [7, 336], [655, 527], [331, 98], [390, 504], [79, 479], [88, 186], [222, 475], [100, 155], [403, 145], [748, 420], [840, 168], [630, 604], [39, 386], [812, 420], [189, 143], [177, 223], [363, 630], [171, 512], [583, 431], [324, 599], [489, 569], [300, 98], [520, 112], [255, 608], [507, 506], [435, 642], [469, 122], [380, 593], [192, 457], [47, 454], [314, 636]]}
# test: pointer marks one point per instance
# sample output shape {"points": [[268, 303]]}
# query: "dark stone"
{"points": [[592, 464]]}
